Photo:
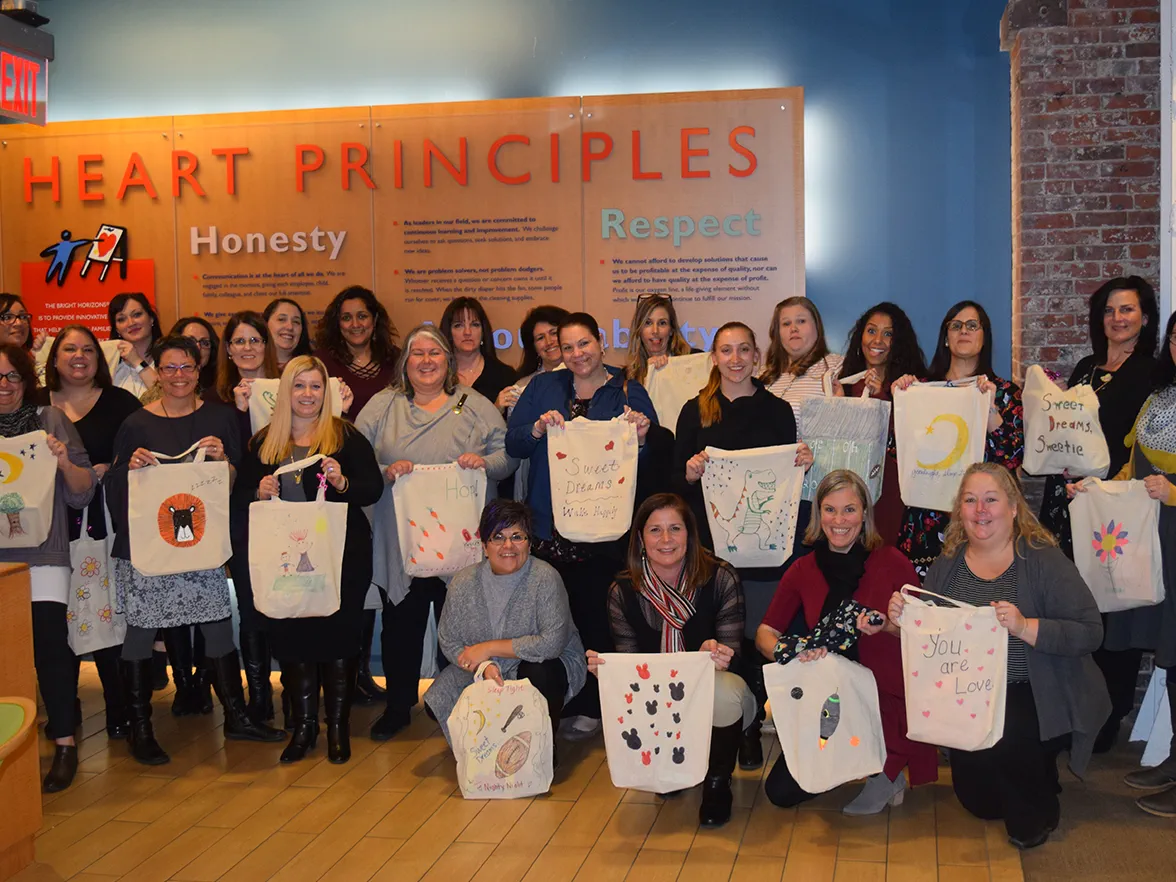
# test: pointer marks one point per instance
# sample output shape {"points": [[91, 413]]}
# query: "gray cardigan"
{"points": [[537, 621], [398, 429], [1068, 689]]}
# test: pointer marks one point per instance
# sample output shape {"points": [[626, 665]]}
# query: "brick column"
{"points": [[1085, 163]]}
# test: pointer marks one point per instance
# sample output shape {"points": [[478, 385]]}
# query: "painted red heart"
{"points": [[960, 702], [973, 716], [918, 622], [673, 673], [559, 455], [620, 480], [620, 719], [938, 684], [994, 629], [628, 698], [678, 737], [914, 673], [967, 627], [655, 732], [609, 446], [991, 651], [106, 243], [965, 650], [926, 713], [924, 646], [980, 668], [987, 703], [669, 704]]}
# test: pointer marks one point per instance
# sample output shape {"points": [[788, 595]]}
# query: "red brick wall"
{"points": [[1085, 165]]}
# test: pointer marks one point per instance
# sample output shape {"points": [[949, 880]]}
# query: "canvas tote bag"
{"points": [[1116, 529], [955, 667], [939, 431], [502, 740], [178, 515], [683, 377], [438, 508], [28, 483], [593, 467], [752, 498], [90, 616], [845, 433], [296, 552], [827, 720], [657, 710], [1062, 430], [263, 397]]}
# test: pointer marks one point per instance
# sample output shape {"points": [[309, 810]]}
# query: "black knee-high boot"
{"points": [[367, 691], [255, 657], [137, 681], [716, 787], [202, 678], [338, 678], [300, 690], [117, 721], [179, 652], [751, 751], [226, 680]]}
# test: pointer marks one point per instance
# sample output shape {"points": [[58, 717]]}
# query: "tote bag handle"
{"points": [[850, 380], [200, 454], [298, 466], [908, 589]]}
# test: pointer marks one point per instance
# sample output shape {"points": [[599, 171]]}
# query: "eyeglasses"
{"points": [[201, 342], [174, 370], [513, 538], [242, 342], [970, 324], [11, 318], [12, 377]]}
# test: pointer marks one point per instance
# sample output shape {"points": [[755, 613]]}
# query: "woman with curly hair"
{"points": [[654, 336], [354, 341]]}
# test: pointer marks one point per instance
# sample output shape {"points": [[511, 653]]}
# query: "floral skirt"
{"points": [[171, 601]]}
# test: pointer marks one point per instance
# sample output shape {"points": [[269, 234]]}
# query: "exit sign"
{"points": [[24, 87]]}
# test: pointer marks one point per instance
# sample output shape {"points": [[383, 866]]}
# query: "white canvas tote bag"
{"points": [[939, 431], [827, 720], [90, 616], [658, 711], [178, 515], [672, 386], [955, 667], [1062, 430], [502, 740], [845, 433], [28, 483], [263, 397], [296, 552], [752, 498], [593, 466], [438, 508], [1116, 530]]}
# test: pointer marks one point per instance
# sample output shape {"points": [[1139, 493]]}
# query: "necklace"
{"points": [[163, 406], [1107, 375]]}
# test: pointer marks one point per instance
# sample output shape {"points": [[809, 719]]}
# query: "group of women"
{"points": [[545, 607]]}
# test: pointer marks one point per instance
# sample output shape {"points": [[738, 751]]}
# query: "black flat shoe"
{"points": [[118, 730], [65, 766], [1034, 841], [389, 723]]}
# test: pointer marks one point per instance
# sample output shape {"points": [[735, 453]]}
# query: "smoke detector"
{"points": [[24, 11]]}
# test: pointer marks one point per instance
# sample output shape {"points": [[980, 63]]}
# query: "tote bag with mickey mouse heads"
{"points": [[657, 710]]}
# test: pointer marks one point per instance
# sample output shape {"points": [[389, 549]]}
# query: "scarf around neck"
{"points": [[23, 419], [672, 602], [842, 572]]}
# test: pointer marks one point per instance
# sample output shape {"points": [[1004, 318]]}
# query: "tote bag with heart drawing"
{"points": [[1062, 429], [593, 465], [438, 508]]}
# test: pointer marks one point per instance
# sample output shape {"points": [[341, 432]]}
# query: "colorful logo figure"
{"points": [[1108, 544], [181, 520], [108, 246]]}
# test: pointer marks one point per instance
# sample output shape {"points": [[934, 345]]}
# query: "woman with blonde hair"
{"points": [[321, 651], [654, 336], [799, 364], [996, 553], [850, 573]]}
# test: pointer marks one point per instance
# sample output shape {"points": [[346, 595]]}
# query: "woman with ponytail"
{"points": [[735, 412]]}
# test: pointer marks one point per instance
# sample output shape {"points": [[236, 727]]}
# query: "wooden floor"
{"points": [[230, 811]]}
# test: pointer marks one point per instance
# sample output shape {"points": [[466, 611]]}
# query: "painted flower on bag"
{"points": [[90, 567], [85, 627], [106, 614], [82, 592], [1109, 542], [70, 615]]}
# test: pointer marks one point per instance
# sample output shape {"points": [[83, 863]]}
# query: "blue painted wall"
{"points": [[907, 101]]}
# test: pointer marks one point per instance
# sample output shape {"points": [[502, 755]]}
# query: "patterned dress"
{"points": [[921, 536]]}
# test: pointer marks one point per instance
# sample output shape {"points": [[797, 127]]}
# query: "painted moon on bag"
{"points": [[512, 755], [960, 446], [15, 467]]}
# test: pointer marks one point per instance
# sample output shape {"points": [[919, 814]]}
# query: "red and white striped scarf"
{"points": [[672, 603]]}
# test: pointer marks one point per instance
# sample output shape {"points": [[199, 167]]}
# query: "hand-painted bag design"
{"points": [[752, 497], [438, 508], [1116, 529], [263, 396], [296, 552], [1062, 429], [827, 720], [683, 377], [28, 475], [657, 710], [90, 616], [955, 667], [845, 433], [502, 740], [939, 431], [593, 465], [178, 515]]}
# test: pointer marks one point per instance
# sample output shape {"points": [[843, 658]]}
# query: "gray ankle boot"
{"points": [[878, 793]]}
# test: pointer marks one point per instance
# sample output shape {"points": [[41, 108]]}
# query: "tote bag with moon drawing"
{"points": [[28, 480], [939, 431]]}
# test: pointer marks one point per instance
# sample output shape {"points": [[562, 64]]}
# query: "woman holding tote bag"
{"points": [[171, 425], [49, 564], [321, 651], [425, 418], [995, 553]]}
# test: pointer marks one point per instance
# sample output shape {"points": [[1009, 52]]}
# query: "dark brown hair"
{"points": [[700, 563], [53, 377], [227, 375], [22, 363]]}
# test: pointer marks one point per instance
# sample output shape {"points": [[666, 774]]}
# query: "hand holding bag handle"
{"points": [[299, 466], [907, 589], [201, 453]]}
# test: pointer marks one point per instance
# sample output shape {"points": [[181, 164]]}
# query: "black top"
{"points": [[1119, 399], [97, 430], [495, 377], [757, 420]]}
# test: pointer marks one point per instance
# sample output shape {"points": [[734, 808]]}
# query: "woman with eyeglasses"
{"points": [[205, 336], [135, 325], [963, 351], [77, 380], [471, 337], [288, 328], [321, 651], [426, 418], [170, 425], [354, 341], [16, 324], [49, 564], [511, 613], [799, 364], [654, 336]]}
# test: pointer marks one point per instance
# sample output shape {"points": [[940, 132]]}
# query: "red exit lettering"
{"points": [[18, 84]]}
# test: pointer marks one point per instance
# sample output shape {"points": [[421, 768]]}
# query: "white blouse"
{"points": [[817, 380]]}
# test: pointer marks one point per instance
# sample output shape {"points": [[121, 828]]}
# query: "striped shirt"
{"points": [[970, 588], [813, 382]]}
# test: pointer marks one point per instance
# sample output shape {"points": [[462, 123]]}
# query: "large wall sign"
{"points": [[582, 203]]}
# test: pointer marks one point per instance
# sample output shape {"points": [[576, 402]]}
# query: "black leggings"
{"points": [[551, 679], [587, 584], [57, 668], [402, 641]]}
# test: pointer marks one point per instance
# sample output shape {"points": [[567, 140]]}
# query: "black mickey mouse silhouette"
{"points": [[651, 707], [632, 739], [634, 687], [677, 691], [679, 755], [677, 718], [657, 750], [656, 688]]}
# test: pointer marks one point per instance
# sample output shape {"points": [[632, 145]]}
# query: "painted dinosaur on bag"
{"points": [[750, 517]]}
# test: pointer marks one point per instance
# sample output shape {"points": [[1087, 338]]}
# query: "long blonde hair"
{"points": [[709, 412], [1025, 523], [839, 479], [327, 436], [638, 364]]}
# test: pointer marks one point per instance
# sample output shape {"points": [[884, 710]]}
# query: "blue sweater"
{"points": [[554, 391]]}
